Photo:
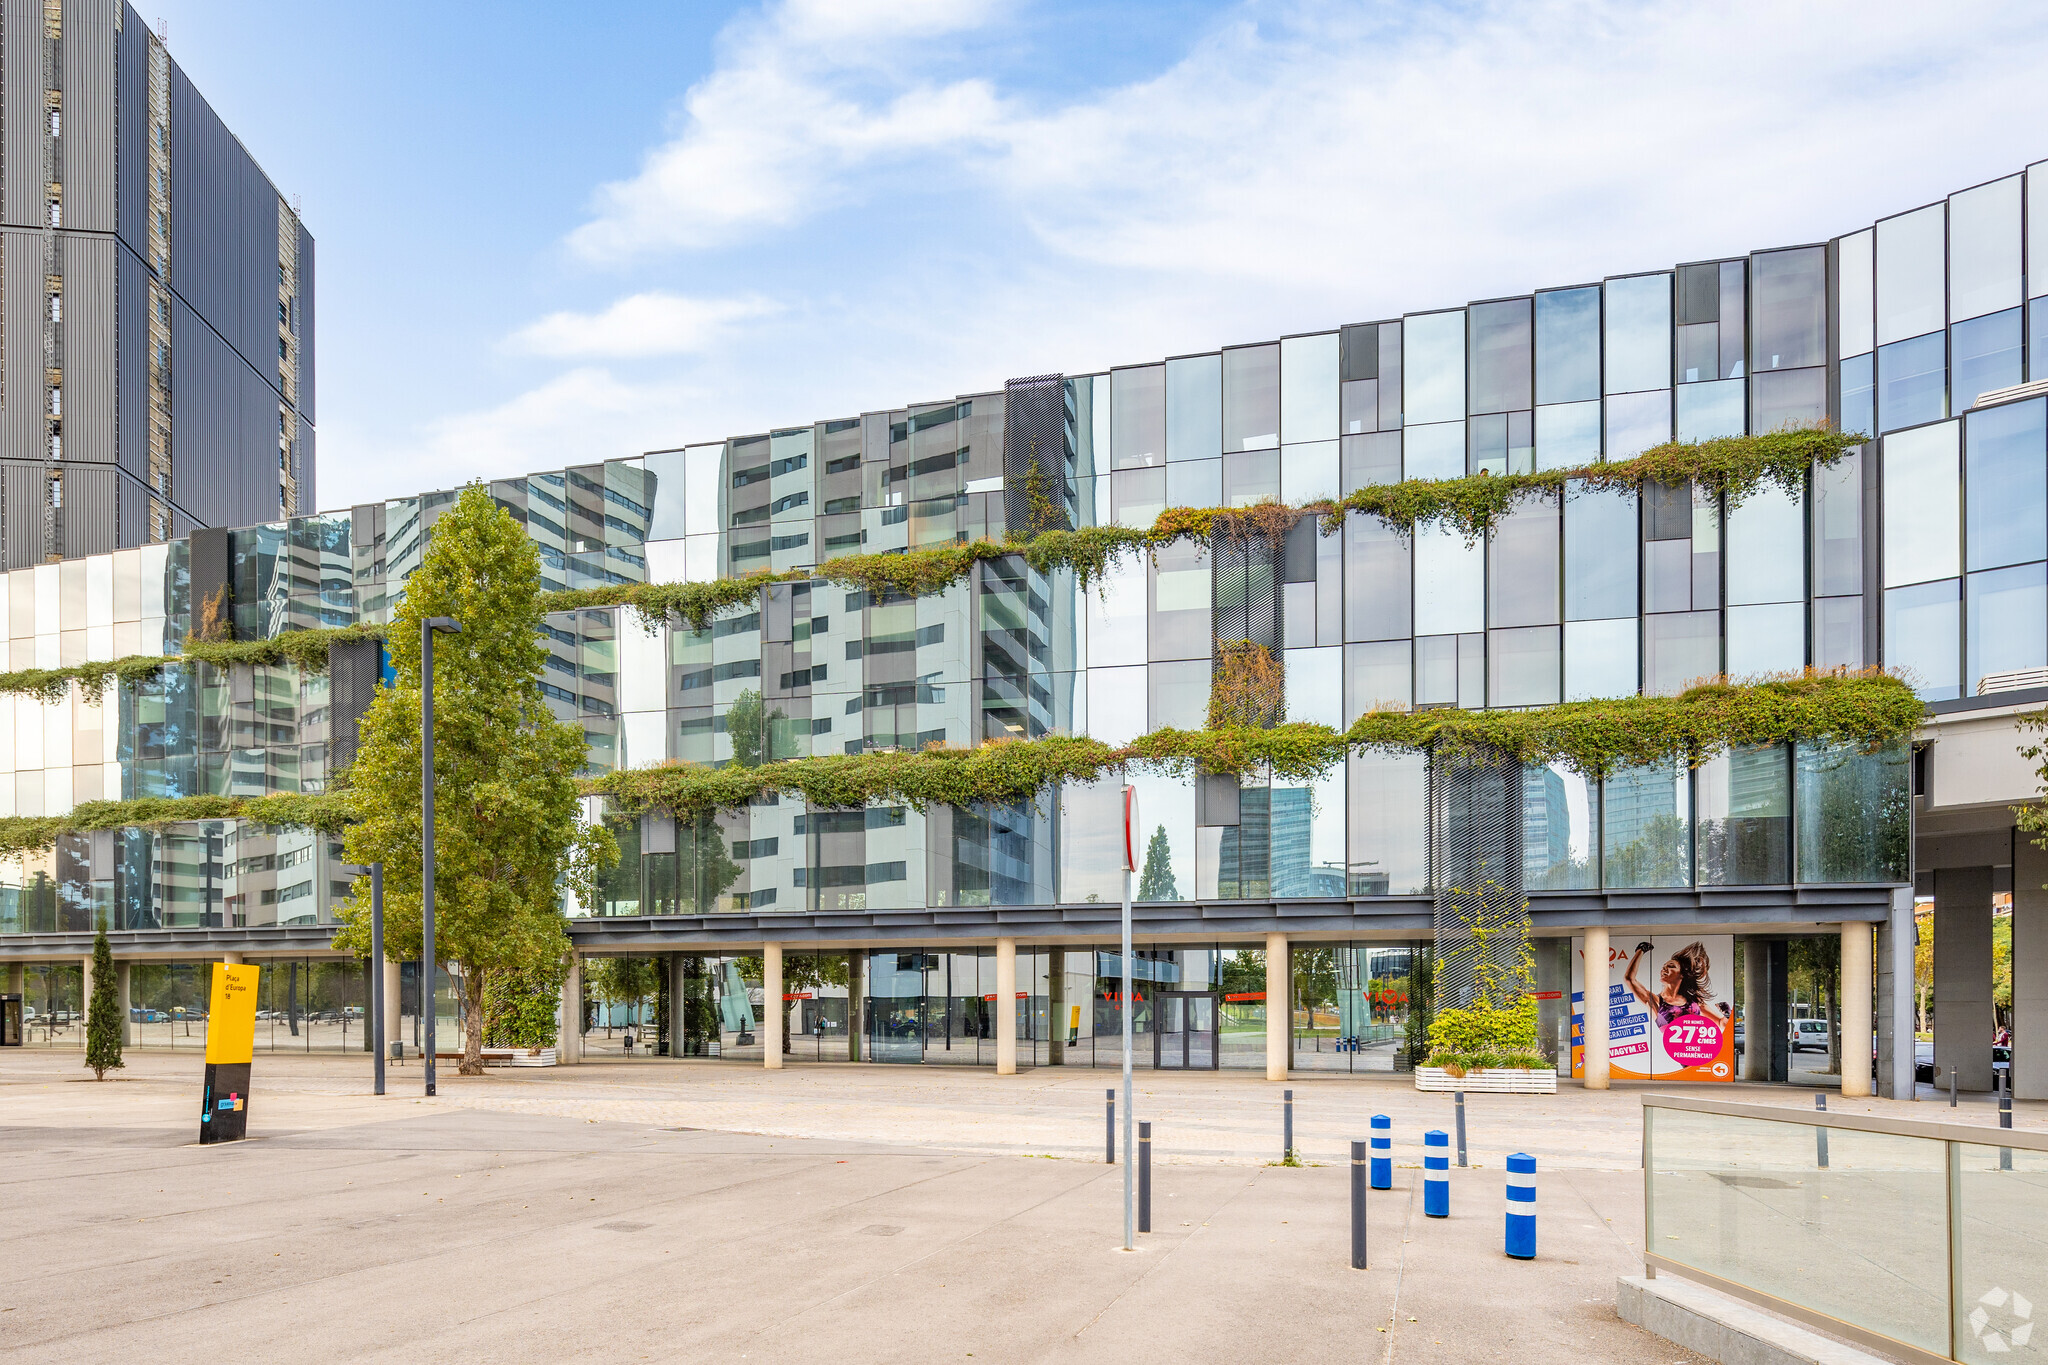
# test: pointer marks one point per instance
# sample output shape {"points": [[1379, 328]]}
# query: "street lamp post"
{"points": [[377, 1043], [429, 965], [1130, 866]]}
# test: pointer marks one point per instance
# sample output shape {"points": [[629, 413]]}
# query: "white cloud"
{"points": [[1300, 165], [650, 324], [1313, 144], [768, 135], [586, 414]]}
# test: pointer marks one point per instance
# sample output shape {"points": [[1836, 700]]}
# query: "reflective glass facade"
{"points": [[1926, 551]]}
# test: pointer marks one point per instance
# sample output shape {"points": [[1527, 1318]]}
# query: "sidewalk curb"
{"points": [[1725, 1329]]}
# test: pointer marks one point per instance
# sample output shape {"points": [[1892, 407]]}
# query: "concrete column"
{"points": [[1593, 1009], [1963, 1020], [1279, 1010], [1756, 1010], [672, 964], [1006, 1007], [856, 998], [1856, 971], [569, 1029], [391, 1004], [121, 981], [774, 1010], [1895, 1050], [2029, 969], [232, 959]]}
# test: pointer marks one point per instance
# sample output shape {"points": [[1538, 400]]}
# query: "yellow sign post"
{"points": [[230, 1045]]}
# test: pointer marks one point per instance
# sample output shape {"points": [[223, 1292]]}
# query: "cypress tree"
{"points": [[103, 1022]]}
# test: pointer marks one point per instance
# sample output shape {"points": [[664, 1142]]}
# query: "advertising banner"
{"points": [[1670, 1007], [230, 1045]]}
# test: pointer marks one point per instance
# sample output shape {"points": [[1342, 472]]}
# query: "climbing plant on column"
{"points": [[507, 832]]}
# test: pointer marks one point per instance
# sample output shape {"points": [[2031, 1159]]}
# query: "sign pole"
{"points": [[430, 962], [377, 1043], [1130, 836], [429, 976]]}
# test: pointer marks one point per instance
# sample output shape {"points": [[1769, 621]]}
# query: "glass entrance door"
{"points": [[1184, 1036]]}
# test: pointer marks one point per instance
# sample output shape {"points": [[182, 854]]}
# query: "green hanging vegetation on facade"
{"points": [[1731, 467], [1865, 710]]}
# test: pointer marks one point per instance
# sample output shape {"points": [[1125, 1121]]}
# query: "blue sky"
{"points": [[551, 233]]}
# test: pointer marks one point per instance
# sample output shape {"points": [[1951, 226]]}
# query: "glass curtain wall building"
{"points": [[1925, 550]]}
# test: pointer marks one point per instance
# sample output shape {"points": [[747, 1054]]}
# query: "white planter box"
{"points": [[517, 1056], [1488, 1081]]}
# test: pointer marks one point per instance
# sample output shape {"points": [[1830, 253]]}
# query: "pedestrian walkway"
{"points": [[351, 1228], [1201, 1118]]}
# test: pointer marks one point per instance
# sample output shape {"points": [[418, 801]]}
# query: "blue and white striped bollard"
{"points": [[1382, 1152], [1521, 1230], [1436, 1173]]}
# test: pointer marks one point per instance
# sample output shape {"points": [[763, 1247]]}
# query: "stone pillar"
{"points": [[2029, 969], [1963, 1021], [121, 983], [84, 996], [1593, 1009], [774, 1009], [569, 1028], [1279, 1010], [672, 1043], [856, 1002], [392, 984], [1856, 1033], [1895, 1041], [1006, 1007], [1756, 1010], [232, 959]]}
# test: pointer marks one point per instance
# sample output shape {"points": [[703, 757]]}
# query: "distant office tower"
{"points": [[156, 307]]}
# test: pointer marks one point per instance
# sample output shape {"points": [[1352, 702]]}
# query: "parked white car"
{"points": [[1809, 1033]]}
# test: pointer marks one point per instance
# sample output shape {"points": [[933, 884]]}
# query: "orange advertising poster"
{"points": [[1670, 1008]]}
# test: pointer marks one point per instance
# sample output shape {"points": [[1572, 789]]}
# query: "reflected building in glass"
{"points": [[1264, 905]]}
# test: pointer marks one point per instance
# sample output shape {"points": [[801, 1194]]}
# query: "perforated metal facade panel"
{"points": [[1476, 836], [1035, 428]]}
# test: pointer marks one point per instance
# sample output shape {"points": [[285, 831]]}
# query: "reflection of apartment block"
{"points": [[157, 325]]}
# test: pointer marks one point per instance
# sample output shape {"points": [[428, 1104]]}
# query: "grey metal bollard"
{"points": [[1459, 1098], [1287, 1125], [1952, 1087], [2005, 1118], [1109, 1125], [1358, 1168], [1820, 1133], [1145, 1175]]}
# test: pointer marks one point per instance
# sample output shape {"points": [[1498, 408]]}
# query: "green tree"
{"points": [[104, 1025], [1815, 966], [622, 981], [748, 726], [1156, 882], [507, 832]]}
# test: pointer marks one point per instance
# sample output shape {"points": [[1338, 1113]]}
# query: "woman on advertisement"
{"points": [[1682, 986]]}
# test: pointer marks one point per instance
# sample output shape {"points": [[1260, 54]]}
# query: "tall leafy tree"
{"points": [[1156, 882], [507, 834], [104, 1026]]}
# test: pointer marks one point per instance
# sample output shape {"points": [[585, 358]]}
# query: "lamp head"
{"points": [[445, 625]]}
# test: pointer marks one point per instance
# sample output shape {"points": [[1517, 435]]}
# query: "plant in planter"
{"points": [[1496, 1030]]}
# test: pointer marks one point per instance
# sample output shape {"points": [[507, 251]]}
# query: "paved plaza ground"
{"points": [[681, 1211]]}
